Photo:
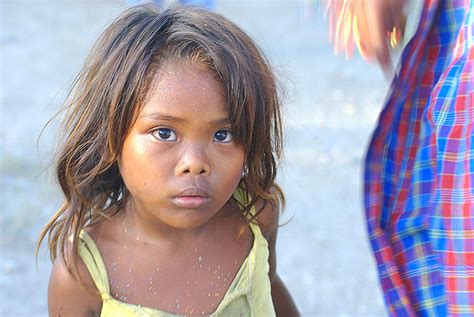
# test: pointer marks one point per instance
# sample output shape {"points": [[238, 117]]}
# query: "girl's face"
{"points": [[179, 161]]}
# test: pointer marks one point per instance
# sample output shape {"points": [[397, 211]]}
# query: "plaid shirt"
{"points": [[419, 173]]}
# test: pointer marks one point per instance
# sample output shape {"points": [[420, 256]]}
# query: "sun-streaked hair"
{"points": [[110, 91]]}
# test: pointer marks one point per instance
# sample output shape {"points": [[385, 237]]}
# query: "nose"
{"points": [[193, 161]]}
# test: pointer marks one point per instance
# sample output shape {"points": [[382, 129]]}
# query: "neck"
{"points": [[140, 224]]}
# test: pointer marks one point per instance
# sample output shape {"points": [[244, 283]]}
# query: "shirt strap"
{"points": [[91, 257]]}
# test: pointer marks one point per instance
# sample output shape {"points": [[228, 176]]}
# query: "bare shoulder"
{"points": [[67, 296]]}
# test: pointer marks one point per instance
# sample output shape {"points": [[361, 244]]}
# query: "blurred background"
{"points": [[330, 109]]}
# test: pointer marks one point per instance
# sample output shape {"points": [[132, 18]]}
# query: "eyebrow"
{"points": [[165, 117]]}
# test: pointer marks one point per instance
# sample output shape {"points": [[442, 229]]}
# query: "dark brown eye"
{"points": [[165, 134], [223, 136]]}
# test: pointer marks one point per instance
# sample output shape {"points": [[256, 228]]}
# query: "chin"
{"points": [[190, 221]]}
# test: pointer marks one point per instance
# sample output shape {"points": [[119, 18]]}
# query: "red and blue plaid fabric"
{"points": [[419, 173]]}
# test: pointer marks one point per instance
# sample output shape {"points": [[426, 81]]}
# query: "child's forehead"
{"points": [[191, 74], [180, 88]]}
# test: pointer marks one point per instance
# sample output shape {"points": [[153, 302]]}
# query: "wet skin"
{"points": [[174, 242], [174, 246], [179, 161]]}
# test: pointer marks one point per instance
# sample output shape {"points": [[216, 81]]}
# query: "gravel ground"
{"points": [[330, 109]]}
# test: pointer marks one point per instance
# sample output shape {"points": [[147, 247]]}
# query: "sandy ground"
{"points": [[330, 109]]}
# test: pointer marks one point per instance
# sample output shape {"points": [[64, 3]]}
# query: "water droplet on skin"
{"points": [[209, 295], [219, 277], [195, 250], [218, 267], [187, 295], [225, 279], [157, 269], [195, 282], [215, 272], [203, 312], [200, 259], [130, 271], [124, 246]]}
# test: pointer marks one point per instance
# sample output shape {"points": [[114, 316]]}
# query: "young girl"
{"points": [[168, 170]]}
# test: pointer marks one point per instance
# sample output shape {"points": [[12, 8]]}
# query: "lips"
{"points": [[194, 197]]}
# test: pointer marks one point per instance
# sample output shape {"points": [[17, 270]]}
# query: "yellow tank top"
{"points": [[248, 295]]}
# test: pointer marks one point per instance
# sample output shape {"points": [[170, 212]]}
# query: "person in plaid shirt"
{"points": [[419, 169]]}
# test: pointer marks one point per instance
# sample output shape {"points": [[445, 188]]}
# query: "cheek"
{"points": [[140, 147], [239, 163], [140, 165], [233, 167]]}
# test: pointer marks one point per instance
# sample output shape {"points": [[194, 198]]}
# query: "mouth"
{"points": [[191, 198]]}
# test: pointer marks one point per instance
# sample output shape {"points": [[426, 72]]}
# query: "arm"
{"points": [[68, 297], [282, 301]]}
